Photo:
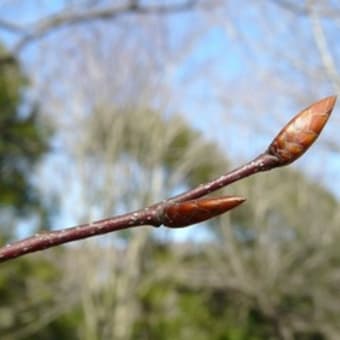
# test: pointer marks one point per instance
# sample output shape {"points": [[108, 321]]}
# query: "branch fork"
{"points": [[190, 208]]}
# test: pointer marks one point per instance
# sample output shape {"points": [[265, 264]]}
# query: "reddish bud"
{"points": [[182, 214], [300, 133]]}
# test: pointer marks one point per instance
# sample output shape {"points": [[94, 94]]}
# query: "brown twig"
{"points": [[186, 209]]}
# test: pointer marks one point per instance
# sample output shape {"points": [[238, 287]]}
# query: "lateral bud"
{"points": [[182, 214], [301, 131]]}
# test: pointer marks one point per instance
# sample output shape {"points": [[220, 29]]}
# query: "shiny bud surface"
{"points": [[182, 214], [301, 132]]}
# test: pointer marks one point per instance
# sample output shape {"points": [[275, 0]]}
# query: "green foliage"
{"points": [[21, 143], [28, 298], [150, 139], [288, 200], [172, 309]]}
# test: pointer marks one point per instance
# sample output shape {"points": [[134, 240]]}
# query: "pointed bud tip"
{"points": [[301, 131], [236, 199], [186, 213], [332, 100], [325, 105]]}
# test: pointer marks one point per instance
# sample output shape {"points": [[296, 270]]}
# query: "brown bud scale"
{"points": [[300, 133], [182, 214]]}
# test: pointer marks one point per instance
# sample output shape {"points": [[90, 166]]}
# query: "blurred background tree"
{"points": [[22, 144], [143, 105]]}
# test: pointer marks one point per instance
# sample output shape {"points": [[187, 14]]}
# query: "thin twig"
{"points": [[183, 210]]}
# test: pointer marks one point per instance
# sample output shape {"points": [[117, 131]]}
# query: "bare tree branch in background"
{"points": [[302, 8], [67, 17], [322, 45], [292, 64]]}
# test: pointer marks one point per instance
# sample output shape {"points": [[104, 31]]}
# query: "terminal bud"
{"points": [[301, 132]]}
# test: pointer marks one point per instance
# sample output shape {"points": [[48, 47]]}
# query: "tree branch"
{"points": [[68, 18], [11, 27], [186, 209], [323, 47], [302, 9]]}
